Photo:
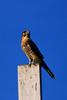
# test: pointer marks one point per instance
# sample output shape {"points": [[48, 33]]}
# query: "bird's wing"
{"points": [[35, 49]]}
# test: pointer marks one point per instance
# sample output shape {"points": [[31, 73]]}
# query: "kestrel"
{"points": [[32, 52]]}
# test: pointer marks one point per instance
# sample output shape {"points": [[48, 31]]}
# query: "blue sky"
{"points": [[47, 20]]}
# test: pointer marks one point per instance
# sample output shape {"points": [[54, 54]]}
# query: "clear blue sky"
{"points": [[47, 20]]}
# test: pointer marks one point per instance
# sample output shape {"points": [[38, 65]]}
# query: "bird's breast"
{"points": [[29, 52]]}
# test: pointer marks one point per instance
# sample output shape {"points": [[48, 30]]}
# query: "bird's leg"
{"points": [[30, 62], [34, 62]]}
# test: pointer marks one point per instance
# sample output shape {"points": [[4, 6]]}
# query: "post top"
{"points": [[25, 65]]}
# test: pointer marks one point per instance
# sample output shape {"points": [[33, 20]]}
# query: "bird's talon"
{"points": [[34, 63]]}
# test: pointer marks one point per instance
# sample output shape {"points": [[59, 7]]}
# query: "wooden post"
{"points": [[29, 82]]}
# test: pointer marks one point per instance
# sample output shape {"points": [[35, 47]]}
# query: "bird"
{"points": [[33, 53]]}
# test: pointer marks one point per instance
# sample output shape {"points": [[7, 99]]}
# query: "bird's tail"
{"points": [[48, 70]]}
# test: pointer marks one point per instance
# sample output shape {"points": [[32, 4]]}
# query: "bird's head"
{"points": [[26, 34]]}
